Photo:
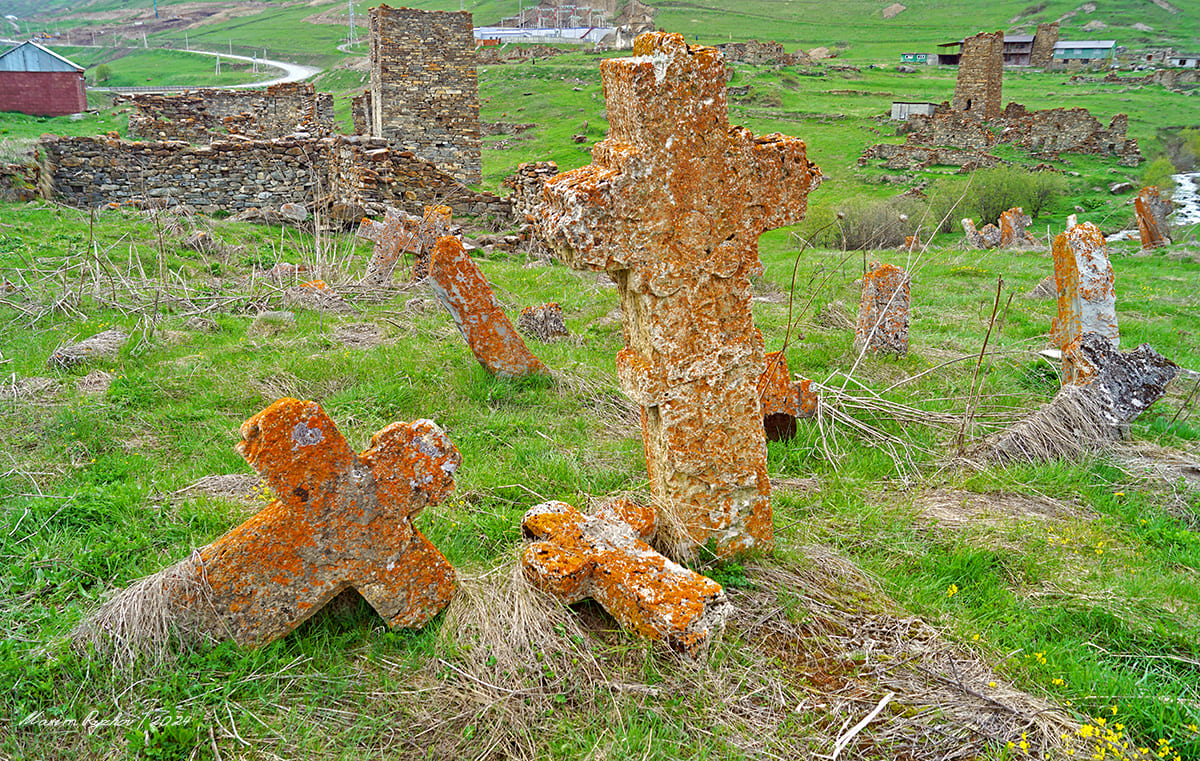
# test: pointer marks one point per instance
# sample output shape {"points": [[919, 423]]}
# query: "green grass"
{"points": [[140, 67]]}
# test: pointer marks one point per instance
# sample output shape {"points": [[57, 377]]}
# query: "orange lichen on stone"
{"points": [[808, 398], [464, 290], [884, 311], [1152, 211], [778, 398], [605, 557], [401, 232], [672, 207], [1087, 300], [340, 520], [319, 285], [912, 243], [1012, 227]]}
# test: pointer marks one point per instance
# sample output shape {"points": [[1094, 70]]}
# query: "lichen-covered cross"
{"points": [[604, 556], [672, 207], [398, 233], [340, 520]]}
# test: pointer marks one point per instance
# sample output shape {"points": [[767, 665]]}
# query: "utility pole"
{"points": [[230, 46], [186, 46], [353, 33], [218, 64]]}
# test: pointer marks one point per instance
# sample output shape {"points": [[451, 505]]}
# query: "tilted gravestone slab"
{"points": [[672, 207], [463, 289], [605, 557]]}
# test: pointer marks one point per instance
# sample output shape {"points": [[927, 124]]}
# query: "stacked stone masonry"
{"points": [[424, 93], [954, 138], [761, 54], [206, 115], [980, 75], [356, 176]]}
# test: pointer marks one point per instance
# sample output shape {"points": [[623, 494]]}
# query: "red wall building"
{"points": [[34, 80]]}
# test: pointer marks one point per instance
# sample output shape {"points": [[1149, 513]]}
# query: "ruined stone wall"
{"points": [[761, 54], [424, 87], [980, 75], [366, 176], [86, 171], [360, 112], [352, 175], [1046, 133], [206, 115], [1043, 45]]}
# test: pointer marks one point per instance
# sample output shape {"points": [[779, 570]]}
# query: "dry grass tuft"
{"points": [[1072, 426], [145, 620], [955, 508]]}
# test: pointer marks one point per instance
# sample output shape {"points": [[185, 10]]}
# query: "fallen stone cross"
{"points": [[1012, 228], [463, 289], [1087, 302], [544, 322], [340, 520], [672, 207], [399, 232], [1152, 211], [605, 557], [884, 311], [1083, 419]]}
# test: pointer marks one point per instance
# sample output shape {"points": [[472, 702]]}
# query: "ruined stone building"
{"points": [[424, 93], [202, 116], [980, 75]]}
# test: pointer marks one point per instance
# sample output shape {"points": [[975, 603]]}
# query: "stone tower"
{"points": [[424, 94], [980, 75], [1043, 45]]}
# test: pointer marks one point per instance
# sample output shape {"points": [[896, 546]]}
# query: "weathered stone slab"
{"points": [[605, 557], [103, 345], [1087, 301], [988, 236], [1152, 211], [544, 322], [464, 291], [779, 398], [1013, 224], [340, 520], [672, 207], [399, 232], [884, 312]]}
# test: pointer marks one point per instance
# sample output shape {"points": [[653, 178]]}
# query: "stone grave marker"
{"points": [[884, 312], [1013, 224], [1087, 301], [544, 322], [463, 289], [340, 520], [605, 557], [672, 207], [400, 232], [1152, 211]]}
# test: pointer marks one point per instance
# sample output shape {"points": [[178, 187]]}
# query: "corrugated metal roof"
{"points": [[1084, 44], [1018, 38], [30, 56]]}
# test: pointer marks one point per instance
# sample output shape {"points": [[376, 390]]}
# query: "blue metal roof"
{"points": [[30, 56]]}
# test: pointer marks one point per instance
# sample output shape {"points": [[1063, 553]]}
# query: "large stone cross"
{"points": [[398, 232], [605, 557], [340, 520], [672, 207]]}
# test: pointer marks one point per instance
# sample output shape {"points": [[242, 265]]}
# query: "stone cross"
{"points": [[1087, 302], [1152, 211], [672, 207], [400, 232], [463, 290], [884, 312], [605, 557], [340, 520]]}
